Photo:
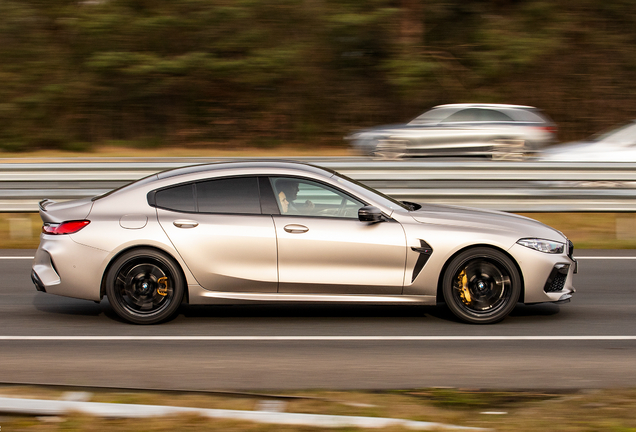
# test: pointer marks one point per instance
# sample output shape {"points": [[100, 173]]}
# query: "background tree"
{"points": [[304, 72]]}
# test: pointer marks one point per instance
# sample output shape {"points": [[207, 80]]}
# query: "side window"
{"points": [[433, 116], [527, 115], [230, 195], [308, 198], [494, 116], [466, 115], [178, 198]]}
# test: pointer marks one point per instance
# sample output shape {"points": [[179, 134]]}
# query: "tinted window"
{"points": [[179, 198], [231, 195]]}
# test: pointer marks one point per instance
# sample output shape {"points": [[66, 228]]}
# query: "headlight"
{"points": [[541, 245]]}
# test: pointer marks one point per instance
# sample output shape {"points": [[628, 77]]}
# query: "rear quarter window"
{"points": [[178, 198]]}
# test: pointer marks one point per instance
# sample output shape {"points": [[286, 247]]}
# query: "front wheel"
{"points": [[144, 286], [481, 286]]}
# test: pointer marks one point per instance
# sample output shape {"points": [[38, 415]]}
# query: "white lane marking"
{"points": [[315, 338], [15, 257]]}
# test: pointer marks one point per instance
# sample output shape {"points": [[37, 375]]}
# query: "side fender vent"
{"points": [[425, 250]]}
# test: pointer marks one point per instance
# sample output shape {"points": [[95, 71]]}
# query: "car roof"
{"points": [[263, 164], [257, 167], [483, 105]]}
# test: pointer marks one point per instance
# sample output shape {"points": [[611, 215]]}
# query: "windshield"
{"points": [[385, 200]]}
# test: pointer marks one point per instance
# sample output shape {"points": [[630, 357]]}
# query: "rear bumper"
{"points": [[64, 267], [37, 282]]}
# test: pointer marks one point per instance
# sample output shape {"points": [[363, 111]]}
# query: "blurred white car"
{"points": [[615, 145], [493, 130]]}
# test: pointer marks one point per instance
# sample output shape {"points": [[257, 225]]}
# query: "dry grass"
{"points": [[600, 410], [20, 230], [593, 230]]}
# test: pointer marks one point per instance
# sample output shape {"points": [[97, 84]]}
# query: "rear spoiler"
{"points": [[44, 204]]}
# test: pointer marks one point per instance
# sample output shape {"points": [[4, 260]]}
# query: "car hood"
{"points": [[485, 220]]}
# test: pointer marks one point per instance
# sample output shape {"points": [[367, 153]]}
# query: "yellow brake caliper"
{"points": [[464, 293], [163, 286]]}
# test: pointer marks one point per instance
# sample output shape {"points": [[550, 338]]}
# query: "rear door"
{"points": [[220, 232]]}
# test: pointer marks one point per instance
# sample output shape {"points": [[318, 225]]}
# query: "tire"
{"points": [[481, 286], [135, 288]]}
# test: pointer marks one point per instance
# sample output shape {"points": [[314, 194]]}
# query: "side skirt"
{"points": [[202, 296]]}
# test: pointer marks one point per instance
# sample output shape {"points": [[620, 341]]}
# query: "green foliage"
{"points": [[231, 71]]}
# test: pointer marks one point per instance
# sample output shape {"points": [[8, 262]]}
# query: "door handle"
{"points": [[296, 229], [185, 223]]}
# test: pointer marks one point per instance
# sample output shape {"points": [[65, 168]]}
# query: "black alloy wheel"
{"points": [[481, 286], [144, 286]]}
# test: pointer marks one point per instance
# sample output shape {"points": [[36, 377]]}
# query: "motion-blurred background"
{"points": [[219, 74]]}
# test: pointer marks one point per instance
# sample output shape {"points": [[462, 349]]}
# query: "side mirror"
{"points": [[370, 214]]}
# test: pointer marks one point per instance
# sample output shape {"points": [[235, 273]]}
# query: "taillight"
{"points": [[68, 227], [551, 129]]}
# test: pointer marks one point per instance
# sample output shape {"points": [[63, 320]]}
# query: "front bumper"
{"points": [[547, 277]]}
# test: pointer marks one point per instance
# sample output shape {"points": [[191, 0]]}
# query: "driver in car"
{"points": [[289, 189]]}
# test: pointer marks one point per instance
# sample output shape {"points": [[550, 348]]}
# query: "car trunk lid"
{"points": [[54, 212]]}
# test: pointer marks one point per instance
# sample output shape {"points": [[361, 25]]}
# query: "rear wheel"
{"points": [[144, 286], [481, 286]]}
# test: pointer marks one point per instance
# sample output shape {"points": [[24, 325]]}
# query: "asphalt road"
{"points": [[592, 341]]}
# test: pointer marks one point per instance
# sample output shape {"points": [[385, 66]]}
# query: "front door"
{"points": [[324, 249]]}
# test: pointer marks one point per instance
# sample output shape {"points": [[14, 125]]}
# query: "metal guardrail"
{"points": [[509, 186]]}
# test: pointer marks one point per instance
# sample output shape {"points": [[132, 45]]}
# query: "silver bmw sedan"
{"points": [[292, 232]]}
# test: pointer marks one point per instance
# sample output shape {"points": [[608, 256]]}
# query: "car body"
{"points": [[494, 130], [616, 145], [219, 233]]}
